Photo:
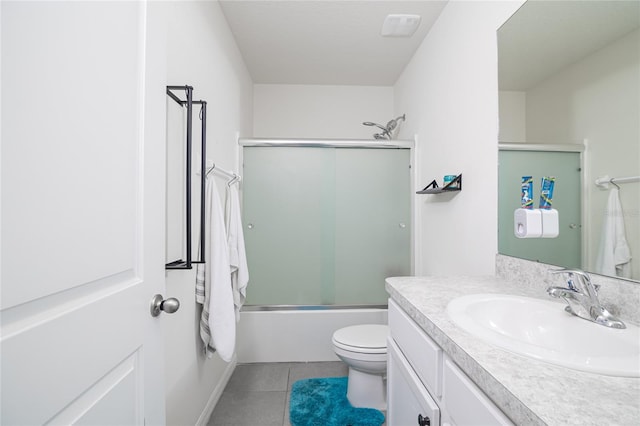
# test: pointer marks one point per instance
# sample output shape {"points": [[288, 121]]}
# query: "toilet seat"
{"points": [[364, 339]]}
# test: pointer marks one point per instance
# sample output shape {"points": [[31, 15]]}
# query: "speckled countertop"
{"points": [[528, 391]]}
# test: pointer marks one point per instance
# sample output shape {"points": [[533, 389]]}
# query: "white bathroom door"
{"points": [[82, 214]]}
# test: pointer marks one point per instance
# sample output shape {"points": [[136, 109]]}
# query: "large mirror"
{"points": [[569, 79]]}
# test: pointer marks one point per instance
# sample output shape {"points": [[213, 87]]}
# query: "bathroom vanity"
{"points": [[438, 374], [427, 382]]}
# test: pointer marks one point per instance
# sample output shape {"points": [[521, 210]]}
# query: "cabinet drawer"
{"points": [[407, 398], [464, 402], [424, 355]]}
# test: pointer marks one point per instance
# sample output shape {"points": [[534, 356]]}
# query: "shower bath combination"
{"points": [[387, 131]]}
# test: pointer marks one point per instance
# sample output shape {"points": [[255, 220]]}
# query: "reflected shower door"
{"points": [[325, 226], [563, 250]]}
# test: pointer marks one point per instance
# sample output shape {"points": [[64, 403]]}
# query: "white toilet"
{"points": [[364, 349]]}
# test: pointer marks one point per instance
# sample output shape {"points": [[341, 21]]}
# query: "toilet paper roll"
{"points": [[527, 223]]}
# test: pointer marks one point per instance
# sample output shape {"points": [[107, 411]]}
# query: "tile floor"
{"points": [[258, 394]]}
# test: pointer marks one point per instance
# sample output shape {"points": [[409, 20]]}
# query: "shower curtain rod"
{"points": [[603, 181]]}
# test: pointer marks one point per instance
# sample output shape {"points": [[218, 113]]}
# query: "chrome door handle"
{"points": [[158, 303]]}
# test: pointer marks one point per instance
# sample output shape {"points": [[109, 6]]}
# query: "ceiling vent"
{"points": [[400, 25]]}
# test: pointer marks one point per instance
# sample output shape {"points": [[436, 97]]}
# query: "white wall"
{"points": [[201, 52], [513, 111], [450, 92], [308, 111], [597, 99]]}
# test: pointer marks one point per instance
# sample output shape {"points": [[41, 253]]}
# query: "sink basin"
{"points": [[542, 330]]}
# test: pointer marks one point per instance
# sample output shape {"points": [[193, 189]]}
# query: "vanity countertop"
{"points": [[530, 392]]}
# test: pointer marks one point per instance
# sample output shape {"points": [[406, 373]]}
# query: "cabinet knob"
{"points": [[423, 421]]}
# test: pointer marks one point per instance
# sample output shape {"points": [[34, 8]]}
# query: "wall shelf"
{"points": [[433, 188]]}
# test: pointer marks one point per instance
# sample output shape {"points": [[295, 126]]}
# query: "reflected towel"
{"points": [[237, 254], [614, 254], [213, 283]]}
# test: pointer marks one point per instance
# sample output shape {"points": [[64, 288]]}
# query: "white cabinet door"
{"points": [[409, 403], [424, 355], [82, 214], [464, 403]]}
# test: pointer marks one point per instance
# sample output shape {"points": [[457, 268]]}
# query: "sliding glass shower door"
{"points": [[325, 225]]}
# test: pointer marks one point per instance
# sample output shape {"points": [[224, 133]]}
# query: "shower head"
{"points": [[386, 131], [369, 123]]}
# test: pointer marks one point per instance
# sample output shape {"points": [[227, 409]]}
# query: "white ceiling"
{"points": [[338, 42], [543, 37], [332, 42]]}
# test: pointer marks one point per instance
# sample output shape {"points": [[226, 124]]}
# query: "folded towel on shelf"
{"points": [[213, 283], [614, 254], [237, 254]]}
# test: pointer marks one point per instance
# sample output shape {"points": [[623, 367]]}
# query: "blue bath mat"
{"points": [[323, 402]]}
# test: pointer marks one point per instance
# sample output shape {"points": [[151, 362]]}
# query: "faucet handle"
{"points": [[568, 271], [582, 277], [571, 272]]}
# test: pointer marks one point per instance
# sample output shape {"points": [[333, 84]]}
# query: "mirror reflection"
{"points": [[569, 107]]}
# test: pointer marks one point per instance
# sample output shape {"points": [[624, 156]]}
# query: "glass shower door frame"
{"points": [[342, 144]]}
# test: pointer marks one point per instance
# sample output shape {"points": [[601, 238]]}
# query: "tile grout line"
{"points": [[286, 394]]}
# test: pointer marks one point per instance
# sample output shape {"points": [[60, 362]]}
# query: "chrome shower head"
{"points": [[369, 123], [386, 131]]}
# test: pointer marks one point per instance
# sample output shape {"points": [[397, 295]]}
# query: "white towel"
{"points": [[614, 254], [237, 254], [213, 283]]}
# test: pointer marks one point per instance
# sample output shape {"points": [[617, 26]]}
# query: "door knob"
{"points": [[158, 303]]}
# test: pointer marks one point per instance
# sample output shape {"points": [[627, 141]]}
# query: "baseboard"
{"points": [[217, 392]]}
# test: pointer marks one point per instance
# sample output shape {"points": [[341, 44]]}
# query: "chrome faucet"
{"points": [[582, 298]]}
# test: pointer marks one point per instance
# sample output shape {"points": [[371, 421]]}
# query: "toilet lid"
{"points": [[370, 338]]}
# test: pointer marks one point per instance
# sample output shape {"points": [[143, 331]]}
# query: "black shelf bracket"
{"points": [[433, 188]]}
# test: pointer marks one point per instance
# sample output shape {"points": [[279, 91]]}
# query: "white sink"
{"points": [[543, 330]]}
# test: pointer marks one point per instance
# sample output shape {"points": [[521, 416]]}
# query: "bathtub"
{"points": [[297, 333]]}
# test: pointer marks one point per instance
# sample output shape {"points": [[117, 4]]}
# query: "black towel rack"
{"points": [[188, 103]]}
